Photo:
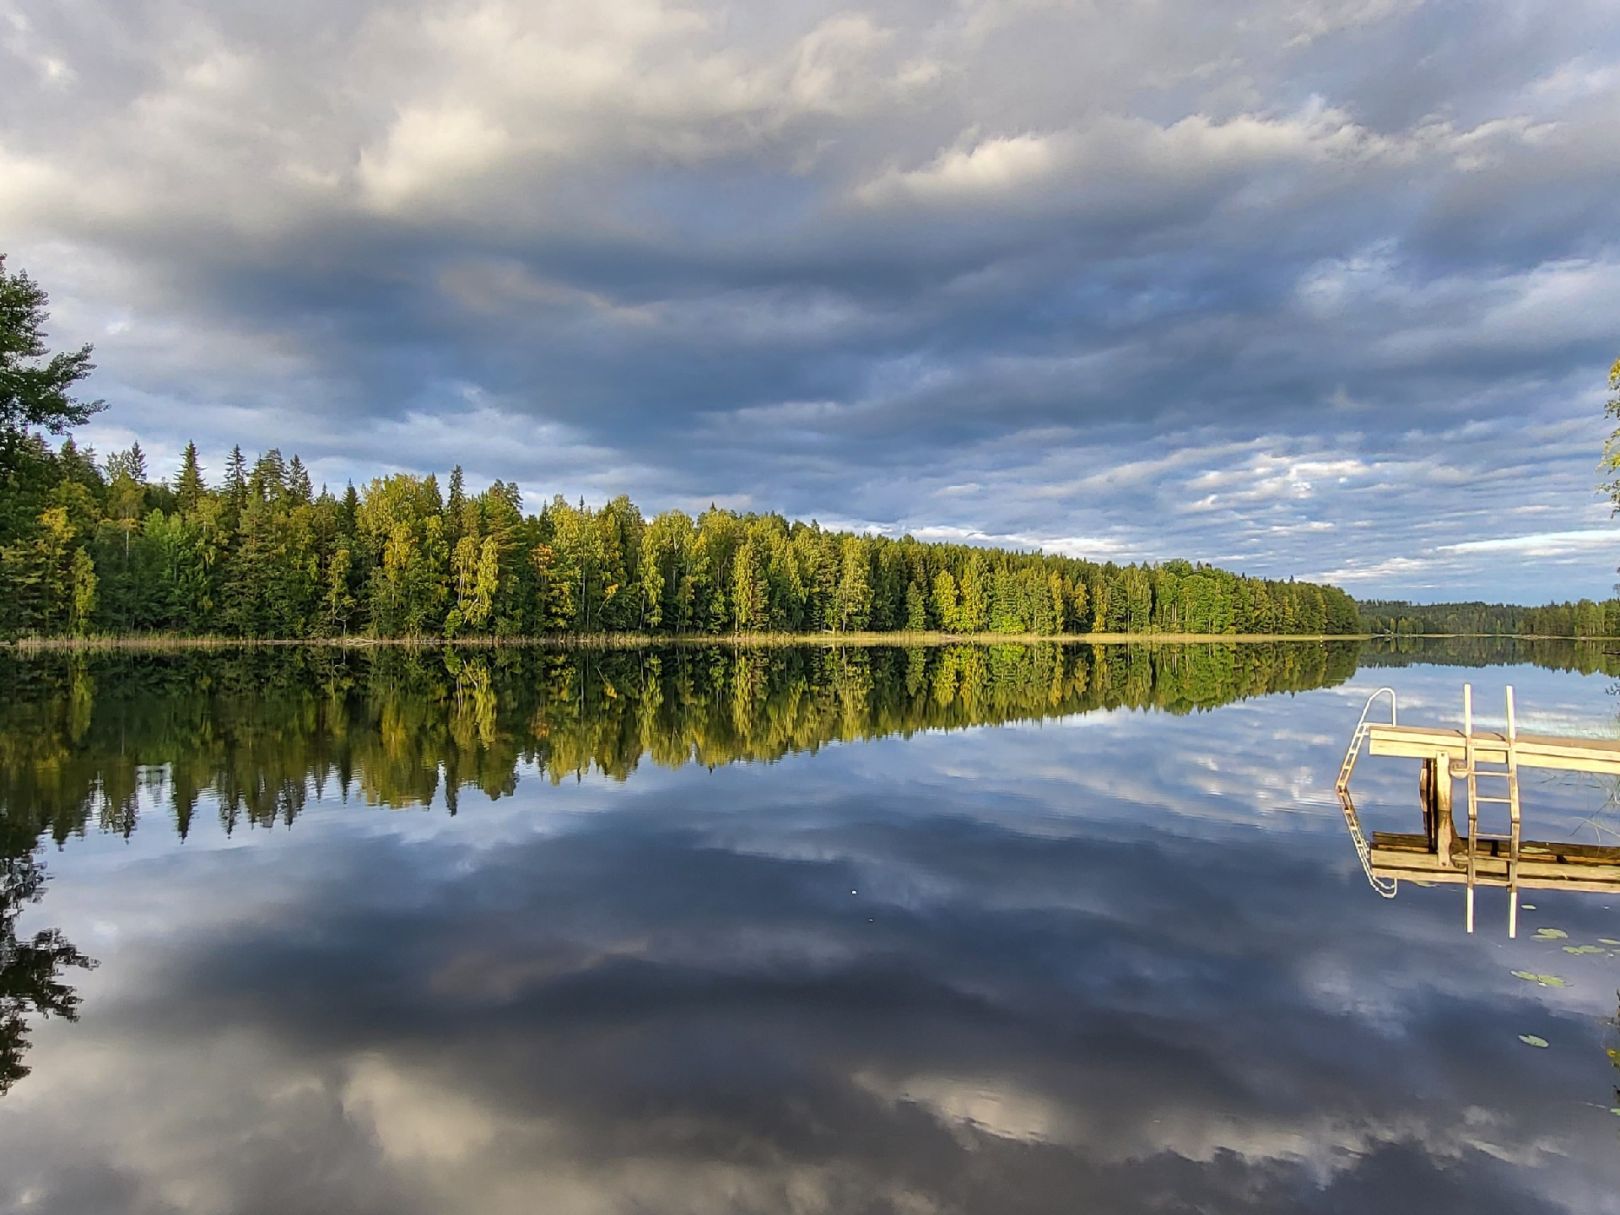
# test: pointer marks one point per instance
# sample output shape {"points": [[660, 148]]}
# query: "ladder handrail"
{"points": [[1385, 887], [1359, 736]]}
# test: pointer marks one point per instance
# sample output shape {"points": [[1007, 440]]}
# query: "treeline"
{"points": [[1583, 656], [253, 735], [90, 547], [1583, 618]]}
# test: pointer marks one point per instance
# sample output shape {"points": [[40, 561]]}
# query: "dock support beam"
{"points": [[1434, 795]]}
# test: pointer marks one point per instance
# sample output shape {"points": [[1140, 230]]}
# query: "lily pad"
{"points": [[1527, 906], [1534, 1040], [1615, 1111], [1609, 941], [1551, 934], [1584, 949], [1539, 980]]}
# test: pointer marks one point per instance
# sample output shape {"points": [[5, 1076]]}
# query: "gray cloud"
{"points": [[1324, 289]]}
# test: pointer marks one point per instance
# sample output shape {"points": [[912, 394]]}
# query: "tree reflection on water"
{"points": [[31, 966]]}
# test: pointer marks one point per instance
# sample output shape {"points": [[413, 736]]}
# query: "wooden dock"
{"points": [[1532, 750], [1443, 854], [1542, 866]]}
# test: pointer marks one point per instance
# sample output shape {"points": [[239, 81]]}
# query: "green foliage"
{"points": [[265, 555], [35, 385]]}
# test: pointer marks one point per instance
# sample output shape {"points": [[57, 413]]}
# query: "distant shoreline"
{"points": [[641, 641], [638, 641]]}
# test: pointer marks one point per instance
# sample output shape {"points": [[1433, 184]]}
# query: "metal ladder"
{"points": [[1387, 887], [1363, 728], [1509, 773]]}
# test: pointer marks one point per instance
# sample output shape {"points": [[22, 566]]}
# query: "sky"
{"points": [[1314, 288]]}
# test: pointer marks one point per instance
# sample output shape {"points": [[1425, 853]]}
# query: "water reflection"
{"points": [[1437, 854], [32, 965], [1551, 653], [260, 732], [1104, 960]]}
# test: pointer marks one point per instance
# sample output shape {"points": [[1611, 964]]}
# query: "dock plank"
{"points": [[1597, 755], [1542, 865]]}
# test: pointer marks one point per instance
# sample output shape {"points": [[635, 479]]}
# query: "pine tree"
{"points": [[455, 509], [235, 488], [974, 610], [350, 510], [947, 602], [298, 482], [189, 487], [916, 608]]}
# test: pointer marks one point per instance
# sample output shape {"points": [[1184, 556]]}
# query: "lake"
{"points": [[1005, 929]]}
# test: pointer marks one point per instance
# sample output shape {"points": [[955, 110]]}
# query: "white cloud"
{"points": [[429, 151], [1541, 544]]}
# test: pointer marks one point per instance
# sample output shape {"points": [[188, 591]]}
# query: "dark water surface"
{"points": [[958, 930]]}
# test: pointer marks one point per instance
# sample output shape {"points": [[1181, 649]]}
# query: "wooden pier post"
{"points": [[1434, 795], [1426, 797], [1445, 825]]}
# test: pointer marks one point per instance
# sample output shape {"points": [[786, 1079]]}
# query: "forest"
{"points": [[92, 547], [1585, 618]]}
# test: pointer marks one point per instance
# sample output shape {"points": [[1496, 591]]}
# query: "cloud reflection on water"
{"points": [[1075, 973]]}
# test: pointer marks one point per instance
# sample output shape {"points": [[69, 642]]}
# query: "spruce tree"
{"points": [[189, 487]]}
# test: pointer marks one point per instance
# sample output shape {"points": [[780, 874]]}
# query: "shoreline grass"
{"points": [[638, 641]]}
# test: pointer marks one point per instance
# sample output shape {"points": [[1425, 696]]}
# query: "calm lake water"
{"points": [[690, 931]]}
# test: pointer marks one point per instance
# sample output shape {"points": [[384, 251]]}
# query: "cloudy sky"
{"points": [[1313, 287]]}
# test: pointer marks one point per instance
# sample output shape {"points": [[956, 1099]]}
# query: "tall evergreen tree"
{"points": [[298, 482], [189, 486]]}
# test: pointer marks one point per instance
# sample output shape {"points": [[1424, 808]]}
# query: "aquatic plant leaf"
{"points": [[1539, 980], [1551, 934], [1584, 949], [1534, 1040], [1609, 941], [1527, 906]]}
